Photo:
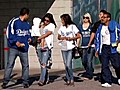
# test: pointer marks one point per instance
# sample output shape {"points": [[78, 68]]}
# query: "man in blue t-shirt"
{"points": [[18, 36]]}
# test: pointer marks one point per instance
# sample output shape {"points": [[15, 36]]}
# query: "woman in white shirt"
{"points": [[44, 55], [66, 34]]}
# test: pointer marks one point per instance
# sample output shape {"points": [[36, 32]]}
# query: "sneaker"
{"points": [[106, 85], [119, 81], [26, 85], [4, 85]]}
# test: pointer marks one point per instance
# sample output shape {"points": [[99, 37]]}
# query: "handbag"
{"points": [[76, 52], [34, 41]]}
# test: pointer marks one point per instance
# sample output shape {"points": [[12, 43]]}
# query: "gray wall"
{"points": [[10, 8]]}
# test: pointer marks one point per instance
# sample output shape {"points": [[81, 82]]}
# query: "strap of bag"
{"points": [[74, 41]]}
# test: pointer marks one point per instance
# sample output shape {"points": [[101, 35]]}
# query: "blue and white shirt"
{"points": [[114, 30], [70, 31], [85, 36], [18, 30]]}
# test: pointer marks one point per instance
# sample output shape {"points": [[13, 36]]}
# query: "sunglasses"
{"points": [[47, 20], [85, 17], [104, 17]]}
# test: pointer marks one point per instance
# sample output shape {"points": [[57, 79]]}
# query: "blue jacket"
{"points": [[18, 30], [114, 29]]}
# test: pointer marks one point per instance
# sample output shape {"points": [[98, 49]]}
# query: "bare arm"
{"points": [[91, 39], [61, 38], [77, 37], [45, 35]]}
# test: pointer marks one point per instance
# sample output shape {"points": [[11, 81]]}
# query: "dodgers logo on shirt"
{"points": [[20, 32]]}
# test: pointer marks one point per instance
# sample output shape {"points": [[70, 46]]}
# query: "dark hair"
{"points": [[24, 11], [50, 16], [108, 14], [103, 11], [67, 19]]}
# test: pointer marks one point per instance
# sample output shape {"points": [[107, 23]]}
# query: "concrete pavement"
{"points": [[57, 82]]}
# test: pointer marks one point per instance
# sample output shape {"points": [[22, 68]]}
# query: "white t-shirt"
{"points": [[49, 39], [105, 35], [70, 31]]}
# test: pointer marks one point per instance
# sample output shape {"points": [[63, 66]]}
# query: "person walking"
{"points": [[95, 27], [92, 38], [67, 34], [45, 55], [88, 52], [18, 36], [107, 38]]}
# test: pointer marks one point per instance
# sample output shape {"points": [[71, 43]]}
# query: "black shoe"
{"points": [[26, 85], [4, 85]]}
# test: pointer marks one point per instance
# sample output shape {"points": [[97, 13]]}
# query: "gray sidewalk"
{"points": [[57, 82]]}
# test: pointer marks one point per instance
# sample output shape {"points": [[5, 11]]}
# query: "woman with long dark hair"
{"points": [[45, 55], [66, 34]]}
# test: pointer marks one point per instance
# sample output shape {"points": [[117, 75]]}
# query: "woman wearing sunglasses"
{"points": [[44, 50], [88, 53]]}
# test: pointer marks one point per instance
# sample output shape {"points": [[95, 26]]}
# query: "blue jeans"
{"points": [[88, 61], [13, 53], [43, 59], [67, 58], [106, 57]]}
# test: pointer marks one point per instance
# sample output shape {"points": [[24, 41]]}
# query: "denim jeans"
{"points": [[106, 58], [67, 58], [88, 61], [43, 59], [13, 53]]}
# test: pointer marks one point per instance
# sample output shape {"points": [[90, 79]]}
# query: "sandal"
{"points": [[72, 83], [40, 83], [67, 83]]}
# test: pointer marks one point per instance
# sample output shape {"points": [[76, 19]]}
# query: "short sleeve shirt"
{"points": [[49, 39], [70, 31]]}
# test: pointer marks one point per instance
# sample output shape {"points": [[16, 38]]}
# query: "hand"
{"points": [[88, 44], [68, 38], [63, 38], [96, 53], [29, 40], [118, 42], [39, 39], [18, 44], [22, 45]]}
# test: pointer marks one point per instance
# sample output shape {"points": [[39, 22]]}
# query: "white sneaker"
{"points": [[119, 81], [106, 85]]}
